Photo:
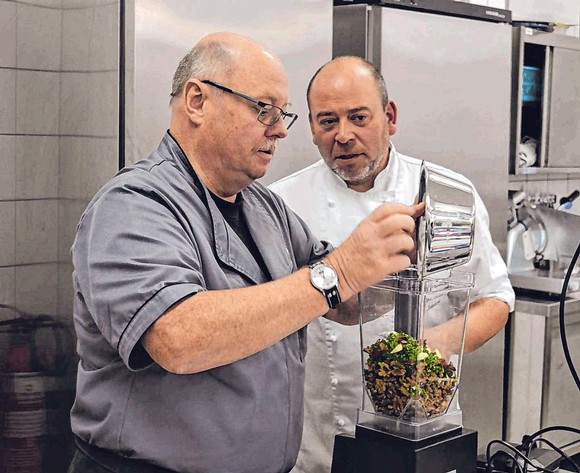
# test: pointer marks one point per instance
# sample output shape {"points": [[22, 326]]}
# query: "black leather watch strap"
{"points": [[332, 297]]}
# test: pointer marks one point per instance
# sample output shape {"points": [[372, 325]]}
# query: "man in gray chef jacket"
{"points": [[194, 284]]}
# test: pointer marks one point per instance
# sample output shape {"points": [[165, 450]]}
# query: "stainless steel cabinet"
{"points": [[541, 390], [546, 100], [564, 132]]}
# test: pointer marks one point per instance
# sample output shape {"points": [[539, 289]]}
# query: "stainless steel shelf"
{"points": [[546, 173]]}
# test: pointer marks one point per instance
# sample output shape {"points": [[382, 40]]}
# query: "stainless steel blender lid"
{"points": [[445, 231]]}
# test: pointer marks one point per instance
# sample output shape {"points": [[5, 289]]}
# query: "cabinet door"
{"points": [[564, 132], [561, 398]]}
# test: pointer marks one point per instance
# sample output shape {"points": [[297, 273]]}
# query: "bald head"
{"points": [[350, 68], [216, 112], [219, 55]]}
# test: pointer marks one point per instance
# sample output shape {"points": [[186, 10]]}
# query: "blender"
{"points": [[412, 330]]}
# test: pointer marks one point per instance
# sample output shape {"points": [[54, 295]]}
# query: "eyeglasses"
{"points": [[268, 114]]}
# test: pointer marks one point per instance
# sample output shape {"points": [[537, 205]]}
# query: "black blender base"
{"points": [[380, 452]]}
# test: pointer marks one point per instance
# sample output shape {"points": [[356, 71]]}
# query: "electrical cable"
{"points": [[490, 460], [528, 440], [517, 452], [562, 324], [558, 450]]}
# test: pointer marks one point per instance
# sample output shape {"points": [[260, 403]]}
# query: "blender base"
{"points": [[371, 451]]}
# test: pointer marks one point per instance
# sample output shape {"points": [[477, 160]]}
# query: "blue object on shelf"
{"points": [[532, 84]]}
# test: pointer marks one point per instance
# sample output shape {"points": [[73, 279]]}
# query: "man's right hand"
{"points": [[382, 244]]}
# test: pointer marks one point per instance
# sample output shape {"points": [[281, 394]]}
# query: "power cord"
{"points": [[520, 454], [528, 441], [490, 459], [556, 449]]}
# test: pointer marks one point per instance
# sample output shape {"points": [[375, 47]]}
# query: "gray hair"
{"points": [[207, 60], [380, 80]]}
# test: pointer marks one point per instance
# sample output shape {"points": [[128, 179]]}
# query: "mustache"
{"points": [[269, 147]]}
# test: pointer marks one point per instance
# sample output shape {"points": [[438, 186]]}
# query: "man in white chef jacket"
{"points": [[352, 120]]}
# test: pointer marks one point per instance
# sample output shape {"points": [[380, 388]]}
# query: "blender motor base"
{"points": [[380, 452]]}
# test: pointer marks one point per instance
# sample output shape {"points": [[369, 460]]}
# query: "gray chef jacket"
{"points": [[151, 237]]}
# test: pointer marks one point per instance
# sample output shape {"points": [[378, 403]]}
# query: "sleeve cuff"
{"points": [[147, 314]]}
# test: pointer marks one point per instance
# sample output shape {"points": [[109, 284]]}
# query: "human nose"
{"points": [[344, 133], [277, 130]]}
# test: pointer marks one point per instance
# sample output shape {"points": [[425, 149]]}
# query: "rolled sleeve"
{"points": [[134, 259], [149, 313]]}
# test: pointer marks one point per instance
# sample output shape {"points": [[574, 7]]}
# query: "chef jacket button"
{"points": [[334, 381], [340, 422], [332, 338], [331, 203]]}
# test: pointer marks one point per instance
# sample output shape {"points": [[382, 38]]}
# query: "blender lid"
{"points": [[445, 230]]}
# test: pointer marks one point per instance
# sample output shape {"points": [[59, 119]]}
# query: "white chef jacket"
{"points": [[334, 389]]}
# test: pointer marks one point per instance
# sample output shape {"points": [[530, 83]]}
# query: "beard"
{"points": [[356, 175]]}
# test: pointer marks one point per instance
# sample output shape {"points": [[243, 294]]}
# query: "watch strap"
{"points": [[332, 295]]}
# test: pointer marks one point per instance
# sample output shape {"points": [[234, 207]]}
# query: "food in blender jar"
{"points": [[400, 369]]}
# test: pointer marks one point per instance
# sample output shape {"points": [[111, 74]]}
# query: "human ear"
{"points": [[194, 100], [391, 112]]}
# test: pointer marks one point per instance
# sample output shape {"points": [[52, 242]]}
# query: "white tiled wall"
{"points": [[7, 101], [7, 34], [7, 166], [58, 139], [36, 231], [38, 37], [7, 281], [90, 96], [37, 104], [35, 289], [7, 233], [36, 167], [76, 26], [104, 30], [82, 168]]}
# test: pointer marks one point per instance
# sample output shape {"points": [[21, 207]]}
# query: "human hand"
{"points": [[446, 337], [382, 244]]}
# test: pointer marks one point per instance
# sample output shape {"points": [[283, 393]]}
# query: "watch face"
{"points": [[324, 277]]}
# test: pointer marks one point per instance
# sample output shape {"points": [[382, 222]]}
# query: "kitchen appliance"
{"points": [[446, 7], [541, 243], [444, 240], [450, 76], [412, 347]]}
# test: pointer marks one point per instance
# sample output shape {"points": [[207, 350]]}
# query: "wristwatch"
{"points": [[324, 278]]}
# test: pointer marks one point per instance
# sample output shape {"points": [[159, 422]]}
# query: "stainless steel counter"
{"points": [[541, 390], [533, 304]]}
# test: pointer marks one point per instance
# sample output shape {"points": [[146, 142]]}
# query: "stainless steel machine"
{"points": [[541, 243], [412, 347]]}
